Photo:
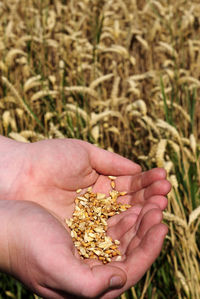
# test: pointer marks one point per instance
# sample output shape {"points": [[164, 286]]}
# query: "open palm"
{"points": [[54, 169]]}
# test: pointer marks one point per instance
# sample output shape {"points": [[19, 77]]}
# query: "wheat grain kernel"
{"points": [[111, 177], [78, 191], [112, 184]]}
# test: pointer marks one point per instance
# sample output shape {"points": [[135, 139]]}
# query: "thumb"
{"points": [[104, 278], [109, 163]]}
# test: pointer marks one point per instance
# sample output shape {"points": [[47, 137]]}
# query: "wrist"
{"points": [[12, 164], [4, 237]]}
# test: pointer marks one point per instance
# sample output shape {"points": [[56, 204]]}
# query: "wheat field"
{"points": [[124, 75]]}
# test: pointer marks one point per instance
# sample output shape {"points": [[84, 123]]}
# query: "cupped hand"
{"points": [[42, 256], [44, 176], [50, 172]]}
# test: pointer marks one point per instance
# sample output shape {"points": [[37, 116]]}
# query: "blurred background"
{"points": [[124, 75]]}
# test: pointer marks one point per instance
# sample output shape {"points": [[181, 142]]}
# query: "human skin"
{"points": [[37, 191]]}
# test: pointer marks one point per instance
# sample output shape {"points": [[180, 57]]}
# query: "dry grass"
{"points": [[124, 75]]}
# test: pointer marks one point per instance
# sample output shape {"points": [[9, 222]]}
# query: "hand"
{"points": [[37, 250], [49, 173]]}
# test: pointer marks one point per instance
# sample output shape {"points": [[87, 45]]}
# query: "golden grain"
{"points": [[82, 89], [6, 119], [166, 47], [18, 137], [32, 82], [171, 217], [76, 109], [172, 130], [15, 92], [43, 93], [100, 80], [11, 55], [27, 134], [160, 152], [193, 144], [194, 215], [89, 233]]}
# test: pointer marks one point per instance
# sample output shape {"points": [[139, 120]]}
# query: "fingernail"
{"points": [[116, 281]]}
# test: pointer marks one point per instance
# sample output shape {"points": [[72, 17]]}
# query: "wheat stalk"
{"points": [[11, 55], [16, 94], [18, 137], [43, 93], [160, 152], [194, 215], [32, 82], [172, 130], [82, 89], [100, 80], [177, 220]]}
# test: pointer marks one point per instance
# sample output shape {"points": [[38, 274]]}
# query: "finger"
{"points": [[134, 211], [154, 193], [82, 279], [108, 163], [49, 293], [159, 200], [140, 180], [147, 251], [122, 226], [106, 278], [91, 283], [161, 187], [118, 225], [102, 278], [141, 258], [149, 216]]}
